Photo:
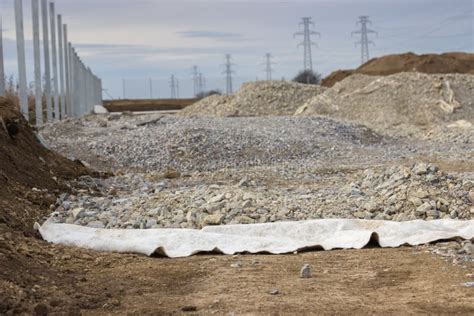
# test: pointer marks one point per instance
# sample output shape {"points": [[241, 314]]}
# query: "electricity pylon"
{"points": [[195, 74], [228, 73], [268, 66], [201, 83], [307, 43], [177, 88], [364, 37], [174, 87]]}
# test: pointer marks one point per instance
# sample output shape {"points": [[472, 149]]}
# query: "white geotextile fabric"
{"points": [[274, 238]]}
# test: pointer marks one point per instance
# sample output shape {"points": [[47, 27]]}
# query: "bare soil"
{"points": [[148, 105], [462, 63]]}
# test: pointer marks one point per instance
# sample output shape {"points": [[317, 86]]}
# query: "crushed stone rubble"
{"points": [[256, 99], [404, 103], [150, 200]]}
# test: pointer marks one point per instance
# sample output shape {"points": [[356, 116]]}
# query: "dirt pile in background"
{"points": [[30, 174], [405, 103], [461, 63], [257, 99]]}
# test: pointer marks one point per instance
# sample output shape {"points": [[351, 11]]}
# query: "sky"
{"points": [[133, 41]]}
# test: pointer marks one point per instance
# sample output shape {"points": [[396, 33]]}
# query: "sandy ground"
{"points": [[378, 281], [67, 281]]}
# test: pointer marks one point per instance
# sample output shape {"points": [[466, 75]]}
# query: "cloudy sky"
{"points": [[140, 39]]}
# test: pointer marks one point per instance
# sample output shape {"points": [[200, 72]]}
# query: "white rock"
{"points": [[99, 109], [305, 272]]}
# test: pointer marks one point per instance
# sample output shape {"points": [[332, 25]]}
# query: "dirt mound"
{"points": [[31, 178], [405, 103], [30, 174], [462, 63], [257, 99]]}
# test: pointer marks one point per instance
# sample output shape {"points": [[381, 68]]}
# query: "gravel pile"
{"points": [[398, 193], [196, 143], [406, 103], [257, 99]]}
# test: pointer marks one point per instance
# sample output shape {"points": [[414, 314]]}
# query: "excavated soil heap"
{"points": [[404, 103], [461, 63], [30, 174], [262, 98], [32, 272]]}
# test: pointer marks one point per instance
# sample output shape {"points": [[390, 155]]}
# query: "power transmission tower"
{"points": [[202, 83], [364, 37], [268, 66], [177, 88], [307, 43], [195, 74], [2, 71], [228, 73], [173, 87]]}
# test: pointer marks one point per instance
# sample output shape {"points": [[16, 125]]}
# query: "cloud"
{"points": [[211, 35]]}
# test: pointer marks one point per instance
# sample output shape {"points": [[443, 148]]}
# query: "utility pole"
{"points": [[228, 73], [268, 66], [173, 87], [2, 70], [307, 43], [364, 37]]}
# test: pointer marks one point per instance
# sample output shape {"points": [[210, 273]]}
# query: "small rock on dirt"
{"points": [[305, 272], [274, 292]]}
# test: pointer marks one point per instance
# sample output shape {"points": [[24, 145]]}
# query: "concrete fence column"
{"points": [[54, 55], [37, 63], [20, 44], [62, 64], [47, 64]]}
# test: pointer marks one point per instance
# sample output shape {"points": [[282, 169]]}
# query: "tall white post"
{"points": [[37, 59], [61, 67], [47, 69], [54, 54], [76, 84], [20, 44], [67, 72], [72, 79], [2, 69]]}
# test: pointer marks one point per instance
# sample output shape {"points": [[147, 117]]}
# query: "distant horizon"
{"points": [[155, 39]]}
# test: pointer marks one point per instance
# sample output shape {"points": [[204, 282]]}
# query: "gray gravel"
{"points": [[190, 144]]}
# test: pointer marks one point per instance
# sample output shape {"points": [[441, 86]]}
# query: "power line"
{"points": [[431, 29], [364, 37], [307, 43]]}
